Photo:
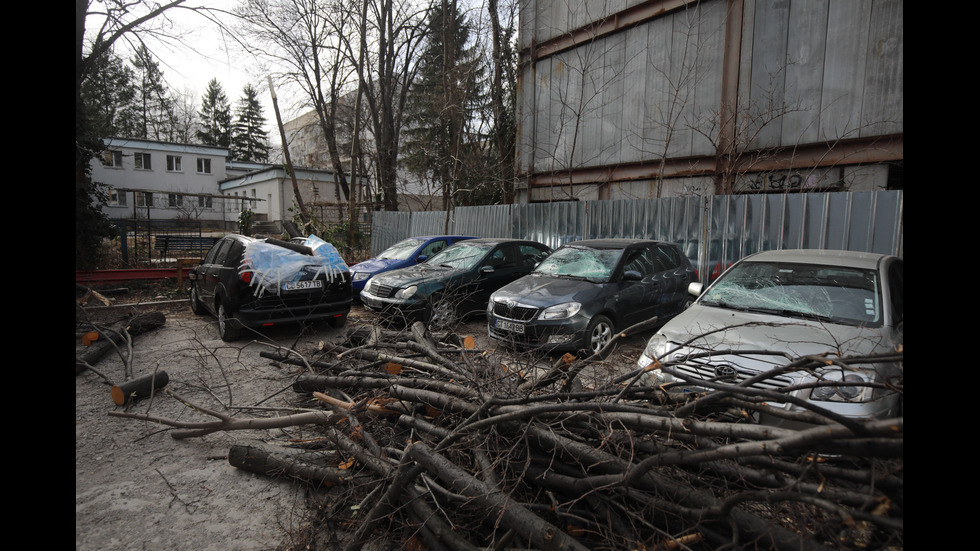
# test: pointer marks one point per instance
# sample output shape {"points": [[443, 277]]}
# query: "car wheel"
{"points": [[443, 312], [598, 334], [196, 306], [228, 327]]}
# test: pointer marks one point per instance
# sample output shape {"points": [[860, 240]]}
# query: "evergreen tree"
{"points": [[215, 117], [443, 101], [109, 97], [249, 140], [155, 109]]}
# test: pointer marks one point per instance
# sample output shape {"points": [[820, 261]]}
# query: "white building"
{"points": [[150, 180], [270, 191], [164, 181]]}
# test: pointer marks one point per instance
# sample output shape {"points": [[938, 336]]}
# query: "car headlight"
{"points": [[658, 350], [407, 292], [361, 276], [851, 388], [560, 311]]}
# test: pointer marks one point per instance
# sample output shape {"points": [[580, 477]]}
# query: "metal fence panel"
{"points": [[714, 232]]}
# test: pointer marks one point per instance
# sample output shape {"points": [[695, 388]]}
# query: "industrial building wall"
{"points": [[622, 99]]}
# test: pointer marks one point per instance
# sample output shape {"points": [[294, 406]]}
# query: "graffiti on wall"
{"points": [[788, 181]]}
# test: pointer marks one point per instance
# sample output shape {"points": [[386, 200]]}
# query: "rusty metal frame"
{"points": [[863, 150], [640, 13]]}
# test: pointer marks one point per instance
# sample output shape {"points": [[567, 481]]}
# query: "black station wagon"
{"points": [[248, 283]]}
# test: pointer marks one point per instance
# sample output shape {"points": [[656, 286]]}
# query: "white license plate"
{"points": [[303, 285], [511, 326]]}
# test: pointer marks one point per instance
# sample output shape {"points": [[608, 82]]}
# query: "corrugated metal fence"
{"points": [[713, 231]]}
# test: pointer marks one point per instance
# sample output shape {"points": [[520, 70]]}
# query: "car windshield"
{"points": [[461, 256], [401, 250], [581, 262], [829, 293]]}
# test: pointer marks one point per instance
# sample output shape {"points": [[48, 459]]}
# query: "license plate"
{"points": [[303, 285], [511, 326]]}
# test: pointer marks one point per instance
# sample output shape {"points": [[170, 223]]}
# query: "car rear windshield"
{"points": [[583, 262], [401, 250], [832, 293]]}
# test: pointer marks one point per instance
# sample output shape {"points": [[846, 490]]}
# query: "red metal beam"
{"points": [[117, 276]]}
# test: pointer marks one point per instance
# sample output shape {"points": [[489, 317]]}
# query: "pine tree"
{"points": [[443, 101], [109, 97], [155, 109], [215, 117], [249, 140]]}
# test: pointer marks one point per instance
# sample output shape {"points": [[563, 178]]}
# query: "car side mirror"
{"points": [[695, 288], [486, 270], [632, 275], [422, 258]]}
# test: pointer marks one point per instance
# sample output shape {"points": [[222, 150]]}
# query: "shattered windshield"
{"points": [[401, 250], [583, 262], [829, 293], [461, 256]]}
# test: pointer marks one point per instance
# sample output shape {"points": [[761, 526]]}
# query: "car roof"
{"points": [[853, 259], [613, 243], [438, 236], [495, 240]]}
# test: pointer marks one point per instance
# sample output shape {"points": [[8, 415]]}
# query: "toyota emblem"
{"points": [[725, 372]]}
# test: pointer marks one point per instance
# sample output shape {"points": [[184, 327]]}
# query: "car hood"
{"points": [[543, 290], [375, 265], [752, 331], [414, 275]]}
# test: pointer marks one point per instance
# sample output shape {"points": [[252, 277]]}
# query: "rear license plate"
{"points": [[303, 285], [511, 326]]}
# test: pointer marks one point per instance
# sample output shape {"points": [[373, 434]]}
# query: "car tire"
{"points": [[442, 312], [598, 334], [196, 306], [228, 326]]}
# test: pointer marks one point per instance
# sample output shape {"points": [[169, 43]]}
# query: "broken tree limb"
{"points": [[276, 461], [512, 514], [141, 387], [111, 338]]}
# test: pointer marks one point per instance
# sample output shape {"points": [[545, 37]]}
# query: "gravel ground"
{"points": [[136, 487]]}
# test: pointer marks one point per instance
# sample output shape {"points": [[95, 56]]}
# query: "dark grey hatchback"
{"points": [[247, 282], [584, 291]]}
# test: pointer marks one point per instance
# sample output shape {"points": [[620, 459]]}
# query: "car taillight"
{"points": [[246, 277]]}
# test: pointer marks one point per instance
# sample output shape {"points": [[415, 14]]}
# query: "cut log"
{"points": [[137, 325], [274, 461], [141, 387]]}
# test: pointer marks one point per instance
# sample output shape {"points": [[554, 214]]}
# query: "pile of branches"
{"points": [[423, 437]]}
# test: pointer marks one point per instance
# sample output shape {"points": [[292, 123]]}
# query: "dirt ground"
{"points": [[136, 487]]}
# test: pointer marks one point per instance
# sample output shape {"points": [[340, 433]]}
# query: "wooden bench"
{"points": [[193, 243]]}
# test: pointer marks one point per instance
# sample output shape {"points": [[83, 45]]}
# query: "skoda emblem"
{"points": [[511, 304], [725, 372]]}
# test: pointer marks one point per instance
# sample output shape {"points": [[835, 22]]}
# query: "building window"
{"points": [[204, 166], [204, 201], [175, 199], [112, 159], [173, 163], [142, 161], [144, 199], [117, 198]]}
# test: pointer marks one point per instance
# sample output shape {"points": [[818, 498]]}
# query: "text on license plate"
{"points": [[302, 285], [508, 325]]}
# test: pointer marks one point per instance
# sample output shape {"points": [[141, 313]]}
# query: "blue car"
{"points": [[403, 254]]}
